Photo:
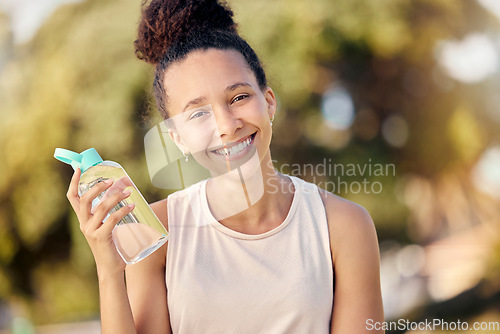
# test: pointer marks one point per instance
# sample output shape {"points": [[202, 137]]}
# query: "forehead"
{"points": [[204, 73]]}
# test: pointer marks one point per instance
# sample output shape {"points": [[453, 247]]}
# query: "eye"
{"points": [[198, 114], [239, 98]]}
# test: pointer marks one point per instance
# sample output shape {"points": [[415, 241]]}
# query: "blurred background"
{"points": [[392, 104]]}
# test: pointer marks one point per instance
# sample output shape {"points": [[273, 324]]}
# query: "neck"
{"points": [[251, 199]]}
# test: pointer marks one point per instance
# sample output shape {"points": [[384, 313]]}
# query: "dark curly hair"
{"points": [[170, 29]]}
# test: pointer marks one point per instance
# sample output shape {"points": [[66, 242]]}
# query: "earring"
{"points": [[271, 120], [186, 156]]}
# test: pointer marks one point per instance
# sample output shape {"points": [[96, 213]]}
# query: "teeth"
{"points": [[234, 149]]}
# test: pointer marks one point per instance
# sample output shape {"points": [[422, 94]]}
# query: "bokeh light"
{"points": [[337, 108], [486, 173], [470, 60], [395, 130]]}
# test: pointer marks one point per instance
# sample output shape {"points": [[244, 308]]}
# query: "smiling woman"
{"points": [[250, 250], [213, 116]]}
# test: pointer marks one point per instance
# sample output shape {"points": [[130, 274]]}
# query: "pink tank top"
{"points": [[223, 281]]}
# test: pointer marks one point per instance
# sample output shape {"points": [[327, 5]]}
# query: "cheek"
{"points": [[256, 111], [197, 140]]}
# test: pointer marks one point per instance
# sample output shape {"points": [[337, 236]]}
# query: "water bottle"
{"points": [[140, 232]]}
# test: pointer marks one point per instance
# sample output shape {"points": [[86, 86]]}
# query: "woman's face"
{"points": [[218, 111]]}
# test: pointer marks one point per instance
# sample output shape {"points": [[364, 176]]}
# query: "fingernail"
{"points": [[131, 206], [108, 181], [126, 192]]}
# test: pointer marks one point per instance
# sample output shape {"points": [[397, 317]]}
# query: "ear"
{"points": [[178, 141], [271, 101]]}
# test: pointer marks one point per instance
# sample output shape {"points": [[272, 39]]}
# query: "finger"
{"points": [[87, 198], [124, 181], [106, 205], [72, 193], [119, 185], [113, 219]]}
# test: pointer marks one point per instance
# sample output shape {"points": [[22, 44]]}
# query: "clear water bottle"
{"points": [[140, 232]]}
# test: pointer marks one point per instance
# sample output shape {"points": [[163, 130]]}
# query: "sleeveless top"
{"points": [[223, 281]]}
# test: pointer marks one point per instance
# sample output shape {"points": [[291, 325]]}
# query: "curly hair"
{"points": [[170, 29]]}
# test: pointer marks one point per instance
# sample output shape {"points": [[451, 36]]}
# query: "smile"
{"points": [[235, 148]]}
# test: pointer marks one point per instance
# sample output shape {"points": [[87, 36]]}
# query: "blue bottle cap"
{"points": [[84, 160]]}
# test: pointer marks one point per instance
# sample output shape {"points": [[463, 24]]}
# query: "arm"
{"points": [[116, 315], [145, 280], [356, 261], [146, 286]]}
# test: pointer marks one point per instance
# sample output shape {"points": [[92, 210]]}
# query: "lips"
{"points": [[233, 149]]}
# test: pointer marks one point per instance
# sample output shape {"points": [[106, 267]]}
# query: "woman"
{"points": [[250, 250]]}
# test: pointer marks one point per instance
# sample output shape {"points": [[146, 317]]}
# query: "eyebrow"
{"points": [[237, 85], [200, 99], [196, 101]]}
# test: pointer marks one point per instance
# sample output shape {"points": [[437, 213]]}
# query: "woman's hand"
{"points": [[96, 232]]}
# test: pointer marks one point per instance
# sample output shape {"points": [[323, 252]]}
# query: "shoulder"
{"points": [[342, 210], [179, 198], [160, 210], [349, 224]]}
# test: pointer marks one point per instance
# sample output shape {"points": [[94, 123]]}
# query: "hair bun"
{"points": [[164, 22]]}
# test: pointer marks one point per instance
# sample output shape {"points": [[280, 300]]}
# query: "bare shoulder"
{"points": [[349, 223], [343, 213], [160, 210]]}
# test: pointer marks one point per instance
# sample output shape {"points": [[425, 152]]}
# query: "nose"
{"points": [[227, 123]]}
